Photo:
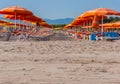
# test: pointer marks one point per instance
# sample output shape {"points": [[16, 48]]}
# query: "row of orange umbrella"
{"points": [[6, 23], [92, 16], [19, 13], [31, 18], [84, 21]]}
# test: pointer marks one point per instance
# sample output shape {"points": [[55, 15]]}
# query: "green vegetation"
{"points": [[58, 25], [111, 19]]}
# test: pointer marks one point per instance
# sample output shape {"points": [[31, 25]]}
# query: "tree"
{"points": [[112, 19], [58, 25]]}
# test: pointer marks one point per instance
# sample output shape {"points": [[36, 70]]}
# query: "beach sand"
{"points": [[60, 62]]}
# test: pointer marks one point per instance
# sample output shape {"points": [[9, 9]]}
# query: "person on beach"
{"points": [[34, 30], [37, 26]]}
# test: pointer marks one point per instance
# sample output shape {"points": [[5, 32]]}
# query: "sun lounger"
{"points": [[93, 37], [38, 35], [110, 36]]}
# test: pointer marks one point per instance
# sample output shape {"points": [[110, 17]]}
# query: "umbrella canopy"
{"points": [[33, 18], [2, 21], [77, 21], [111, 25], [69, 26], [101, 12], [45, 24], [15, 10], [30, 18]]}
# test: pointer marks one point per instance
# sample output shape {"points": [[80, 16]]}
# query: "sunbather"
{"points": [[34, 30]]}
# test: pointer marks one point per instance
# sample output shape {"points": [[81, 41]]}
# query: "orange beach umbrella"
{"points": [[101, 12], [15, 10]]}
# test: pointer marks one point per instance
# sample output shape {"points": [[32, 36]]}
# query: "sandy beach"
{"points": [[59, 42], [60, 62]]}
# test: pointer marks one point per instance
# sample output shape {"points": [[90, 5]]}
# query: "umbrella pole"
{"points": [[15, 20], [23, 20], [102, 25], [102, 29], [19, 24]]}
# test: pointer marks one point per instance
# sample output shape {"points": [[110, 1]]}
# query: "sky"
{"points": [[58, 9]]}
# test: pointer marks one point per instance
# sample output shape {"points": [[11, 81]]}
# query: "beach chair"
{"points": [[110, 36], [41, 36], [93, 37]]}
